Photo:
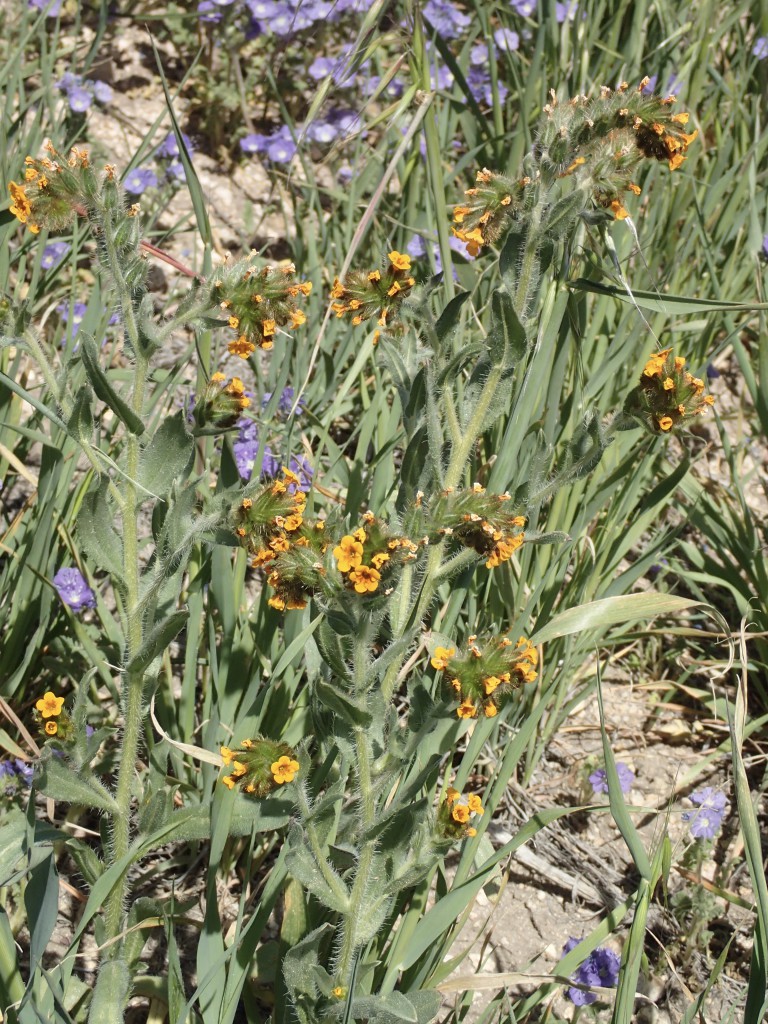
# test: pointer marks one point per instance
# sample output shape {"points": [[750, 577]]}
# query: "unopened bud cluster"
{"points": [[455, 814], [367, 556], [478, 520], [489, 206], [668, 396], [259, 766], [599, 141], [258, 301], [482, 677], [272, 528], [380, 293], [220, 405]]}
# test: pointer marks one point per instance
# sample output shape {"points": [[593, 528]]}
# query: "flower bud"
{"points": [[379, 293], [221, 405], [455, 815]]}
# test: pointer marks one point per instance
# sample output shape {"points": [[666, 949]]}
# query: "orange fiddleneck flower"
{"points": [[490, 710], [228, 781], [474, 804], [51, 728], [467, 708], [452, 795], [665, 422], [656, 362], [284, 769], [365, 578], [348, 554], [399, 260], [49, 705], [441, 657], [460, 813], [241, 347], [619, 211], [490, 683], [379, 559], [227, 755]]}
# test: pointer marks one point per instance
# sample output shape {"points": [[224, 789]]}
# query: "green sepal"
{"points": [[59, 781], [101, 385], [157, 642], [167, 457]]}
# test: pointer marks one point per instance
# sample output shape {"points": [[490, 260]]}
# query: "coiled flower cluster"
{"points": [[380, 293], [259, 766], [597, 141], [220, 405], [259, 301], [483, 677], [668, 396], [272, 528], [367, 556], [455, 813], [478, 520]]}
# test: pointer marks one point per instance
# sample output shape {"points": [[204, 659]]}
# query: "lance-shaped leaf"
{"points": [[506, 339], [167, 457], [158, 640], [60, 782], [300, 974], [341, 704], [99, 540], [102, 386], [80, 422], [305, 869]]}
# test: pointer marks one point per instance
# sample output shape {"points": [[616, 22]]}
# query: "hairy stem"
{"points": [[133, 682]]}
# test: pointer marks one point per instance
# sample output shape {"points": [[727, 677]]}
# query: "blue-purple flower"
{"points": [[81, 92], [600, 970], [79, 309], [53, 254], [506, 39], [169, 147], [284, 402], [52, 8], [73, 589], [14, 769], [139, 179], [448, 21], [760, 49], [565, 11], [705, 822], [599, 780]]}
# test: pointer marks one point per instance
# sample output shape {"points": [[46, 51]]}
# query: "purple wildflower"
{"points": [[525, 8], [169, 147], [448, 21], [285, 402], [175, 171], [599, 779], [102, 92], [79, 309], [79, 99], [321, 67], [322, 131], [707, 819], [52, 8], [139, 179], [600, 970], [281, 150], [765, 245], [208, 12], [566, 11], [760, 49], [53, 254], [73, 589], [506, 39]]}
